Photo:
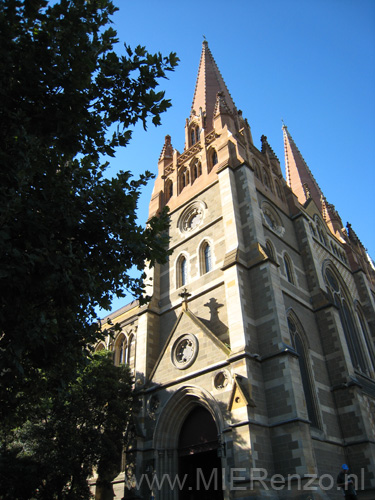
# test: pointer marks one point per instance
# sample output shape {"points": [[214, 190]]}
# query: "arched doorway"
{"points": [[199, 464]]}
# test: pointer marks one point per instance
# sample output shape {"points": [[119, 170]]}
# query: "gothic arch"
{"points": [[168, 430], [267, 180], [212, 159], [288, 268], [301, 345], [320, 229], [181, 270], [120, 349], [168, 190], [195, 170], [175, 412], [256, 170], [183, 179], [100, 347], [205, 256], [367, 338], [194, 134], [278, 189], [270, 250], [340, 296]]}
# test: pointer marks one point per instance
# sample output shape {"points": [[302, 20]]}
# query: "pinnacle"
{"points": [[167, 151], [298, 174]]}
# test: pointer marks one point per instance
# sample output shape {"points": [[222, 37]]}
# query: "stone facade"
{"points": [[264, 316]]}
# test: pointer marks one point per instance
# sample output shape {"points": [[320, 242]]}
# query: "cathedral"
{"points": [[254, 361]]}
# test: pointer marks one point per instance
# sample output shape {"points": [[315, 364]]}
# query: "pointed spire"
{"points": [[298, 174], [167, 151], [209, 83], [267, 148]]}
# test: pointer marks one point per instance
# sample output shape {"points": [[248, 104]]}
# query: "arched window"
{"points": [[168, 190], [196, 170], [367, 338], [100, 347], [192, 136], [288, 269], [304, 365], [278, 190], [269, 250], [339, 298], [183, 178], [181, 271], [213, 159], [207, 260], [256, 168], [121, 350], [266, 179]]}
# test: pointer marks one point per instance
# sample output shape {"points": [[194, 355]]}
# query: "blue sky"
{"points": [[308, 62]]}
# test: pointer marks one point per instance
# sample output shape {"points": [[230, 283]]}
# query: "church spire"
{"points": [[298, 175], [209, 83]]}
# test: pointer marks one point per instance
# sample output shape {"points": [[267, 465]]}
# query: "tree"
{"points": [[66, 437], [68, 235]]}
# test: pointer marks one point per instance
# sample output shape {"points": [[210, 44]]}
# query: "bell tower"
{"points": [[256, 353]]}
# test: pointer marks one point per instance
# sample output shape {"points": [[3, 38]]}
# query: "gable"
{"points": [[191, 347]]}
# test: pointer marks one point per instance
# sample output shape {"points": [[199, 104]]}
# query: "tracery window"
{"points": [[367, 338], [340, 298], [297, 335], [278, 190], [266, 179], [196, 170], [121, 350], [194, 135], [183, 178]]}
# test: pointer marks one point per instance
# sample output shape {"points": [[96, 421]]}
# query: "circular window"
{"points": [[272, 219], [221, 380], [192, 217], [184, 351]]}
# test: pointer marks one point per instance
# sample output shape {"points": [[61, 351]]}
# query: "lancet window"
{"points": [[213, 159], [183, 178], [194, 135], [297, 336], [339, 297], [288, 269], [195, 170], [206, 258], [181, 271], [168, 190]]}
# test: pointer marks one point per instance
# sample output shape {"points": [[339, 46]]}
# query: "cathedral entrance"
{"points": [[199, 465]]}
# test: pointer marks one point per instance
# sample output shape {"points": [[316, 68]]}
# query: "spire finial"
{"points": [[184, 295]]}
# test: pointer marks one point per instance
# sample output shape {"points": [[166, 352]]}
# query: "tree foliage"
{"points": [[55, 450], [68, 235]]}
